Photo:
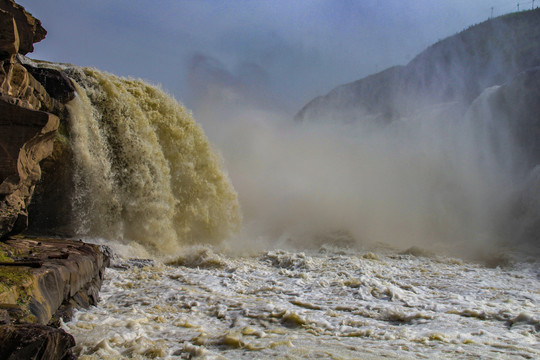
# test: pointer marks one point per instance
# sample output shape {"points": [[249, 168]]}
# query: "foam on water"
{"points": [[331, 303]]}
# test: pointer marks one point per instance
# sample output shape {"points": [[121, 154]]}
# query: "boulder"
{"points": [[33, 342]]}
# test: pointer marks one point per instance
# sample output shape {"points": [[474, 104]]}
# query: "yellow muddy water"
{"points": [[144, 170]]}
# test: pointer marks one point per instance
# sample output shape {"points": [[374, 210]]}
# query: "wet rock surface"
{"points": [[48, 275], [26, 342], [41, 282], [57, 84]]}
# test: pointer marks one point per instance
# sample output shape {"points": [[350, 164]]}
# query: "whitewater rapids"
{"points": [[331, 304]]}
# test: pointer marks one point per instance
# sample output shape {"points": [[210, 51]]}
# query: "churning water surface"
{"points": [[332, 303]]}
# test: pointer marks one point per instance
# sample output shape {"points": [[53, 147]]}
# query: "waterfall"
{"points": [[143, 169]]}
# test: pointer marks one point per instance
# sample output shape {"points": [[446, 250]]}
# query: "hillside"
{"points": [[456, 69]]}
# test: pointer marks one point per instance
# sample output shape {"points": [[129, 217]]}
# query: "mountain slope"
{"points": [[456, 69]]}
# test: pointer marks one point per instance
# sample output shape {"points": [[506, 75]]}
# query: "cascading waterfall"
{"points": [[144, 170]]}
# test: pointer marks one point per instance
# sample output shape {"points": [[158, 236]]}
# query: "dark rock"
{"points": [[27, 137], [27, 263], [57, 84], [53, 194], [12, 312], [64, 313], [4, 317], [35, 342]]}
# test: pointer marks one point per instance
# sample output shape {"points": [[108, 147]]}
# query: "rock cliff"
{"points": [[41, 280], [28, 123]]}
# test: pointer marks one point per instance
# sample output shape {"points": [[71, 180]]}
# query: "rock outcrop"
{"points": [[41, 282], [27, 137], [28, 115], [48, 277], [28, 29]]}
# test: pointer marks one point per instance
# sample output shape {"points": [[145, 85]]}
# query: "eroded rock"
{"points": [[26, 138], [26, 134], [9, 37], [29, 28]]}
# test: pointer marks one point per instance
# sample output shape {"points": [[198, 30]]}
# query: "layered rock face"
{"points": [[41, 281], [28, 124], [47, 278], [29, 29]]}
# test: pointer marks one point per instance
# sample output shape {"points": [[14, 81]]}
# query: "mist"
{"points": [[433, 180]]}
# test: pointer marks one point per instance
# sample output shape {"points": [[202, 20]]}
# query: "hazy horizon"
{"points": [[274, 55]]}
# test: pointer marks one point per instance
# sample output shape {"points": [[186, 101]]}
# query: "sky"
{"points": [[275, 54]]}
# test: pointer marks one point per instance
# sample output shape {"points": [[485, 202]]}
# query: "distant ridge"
{"points": [[456, 69]]}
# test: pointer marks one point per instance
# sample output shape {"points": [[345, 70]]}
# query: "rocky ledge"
{"points": [[41, 281]]}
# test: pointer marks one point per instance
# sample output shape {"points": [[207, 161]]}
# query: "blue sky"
{"points": [[276, 54]]}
